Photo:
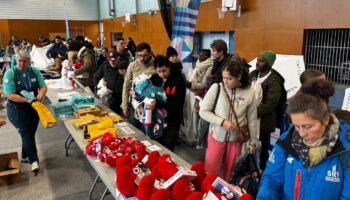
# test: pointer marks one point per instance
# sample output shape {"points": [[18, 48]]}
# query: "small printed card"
{"points": [[146, 143], [127, 130], [154, 148], [122, 124]]}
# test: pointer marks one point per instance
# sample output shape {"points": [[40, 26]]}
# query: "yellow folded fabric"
{"points": [[45, 115], [102, 125], [96, 132]]}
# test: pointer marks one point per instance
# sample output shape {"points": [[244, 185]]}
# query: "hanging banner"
{"points": [[290, 67], [186, 13]]}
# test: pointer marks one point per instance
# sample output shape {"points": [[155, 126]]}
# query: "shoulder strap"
{"points": [[216, 98], [232, 107]]}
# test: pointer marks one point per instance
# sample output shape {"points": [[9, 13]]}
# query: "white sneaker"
{"points": [[35, 167], [199, 147]]}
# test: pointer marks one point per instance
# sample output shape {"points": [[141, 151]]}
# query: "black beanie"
{"points": [[170, 51]]}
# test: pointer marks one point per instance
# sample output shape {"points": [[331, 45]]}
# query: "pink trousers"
{"points": [[221, 154]]}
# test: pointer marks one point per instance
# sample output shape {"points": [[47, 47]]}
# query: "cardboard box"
{"points": [[9, 168]]}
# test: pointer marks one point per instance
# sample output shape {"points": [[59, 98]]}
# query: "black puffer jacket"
{"points": [[271, 96], [111, 76]]}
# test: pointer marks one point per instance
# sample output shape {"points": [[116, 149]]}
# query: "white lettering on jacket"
{"points": [[332, 175]]}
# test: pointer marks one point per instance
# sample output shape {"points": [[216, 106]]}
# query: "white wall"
{"points": [[127, 6], [49, 9]]}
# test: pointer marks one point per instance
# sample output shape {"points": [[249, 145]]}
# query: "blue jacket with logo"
{"points": [[286, 178]]}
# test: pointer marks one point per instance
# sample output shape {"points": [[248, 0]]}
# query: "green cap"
{"points": [[269, 57]]}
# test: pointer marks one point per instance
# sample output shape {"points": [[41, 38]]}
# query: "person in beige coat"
{"points": [[143, 65], [196, 81], [235, 97], [203, 69]]}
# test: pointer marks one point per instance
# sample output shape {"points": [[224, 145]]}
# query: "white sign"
{"points": [[290, 67], [346, 101]]}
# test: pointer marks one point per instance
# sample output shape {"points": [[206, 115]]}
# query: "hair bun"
{"points": [[319, 87], [311, 90]]}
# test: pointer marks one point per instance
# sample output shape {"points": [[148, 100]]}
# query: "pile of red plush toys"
{"points": [[151, 176]]}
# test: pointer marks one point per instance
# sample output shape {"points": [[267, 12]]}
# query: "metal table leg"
{"points": [[66, 142], [105, 193], [97, 180], [70, 142]]}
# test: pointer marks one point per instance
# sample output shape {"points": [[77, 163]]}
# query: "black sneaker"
{"points": [[25, 160]]}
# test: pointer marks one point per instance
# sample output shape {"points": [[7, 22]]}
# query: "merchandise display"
{"points": [[91, 119], [138, 168], [92, 110], [82, 101], [105, 125], [146, 175], [62, 108]]}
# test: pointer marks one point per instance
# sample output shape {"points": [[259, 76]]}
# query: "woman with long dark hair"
{"points": [[170, 79], [235, 110]]}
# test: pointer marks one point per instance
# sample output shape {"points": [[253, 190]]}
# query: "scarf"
{"points": [[311, 154], [201, 68]]}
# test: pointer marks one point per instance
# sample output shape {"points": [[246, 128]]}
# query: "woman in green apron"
{"points": [[19, 111]]}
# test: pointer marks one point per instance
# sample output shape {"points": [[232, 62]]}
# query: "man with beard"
{"points": [[59, 47], [112, 79], [142, 65]]}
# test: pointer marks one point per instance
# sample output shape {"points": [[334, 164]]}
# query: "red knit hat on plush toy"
{"points": [[125, 176]]}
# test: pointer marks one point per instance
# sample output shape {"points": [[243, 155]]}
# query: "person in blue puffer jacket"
{"points": [[310, 160]]}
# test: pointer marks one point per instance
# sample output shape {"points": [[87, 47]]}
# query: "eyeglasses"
{"points": [[143, 55]]}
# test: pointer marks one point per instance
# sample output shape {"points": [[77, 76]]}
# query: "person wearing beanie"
{"points": [[173, 57], [172, 54], [109, 71], [269, 57], [271, 83]]}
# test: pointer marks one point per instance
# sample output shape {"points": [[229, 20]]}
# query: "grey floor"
{"points": [[60, 177]]}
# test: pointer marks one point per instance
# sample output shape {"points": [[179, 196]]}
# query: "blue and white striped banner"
{"points": [[183, 30]]}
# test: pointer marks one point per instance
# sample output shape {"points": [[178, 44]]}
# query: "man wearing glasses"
{"points": [[142, 65]]}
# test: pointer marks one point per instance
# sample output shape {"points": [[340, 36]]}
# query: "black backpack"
{"points": [[246, 174]]}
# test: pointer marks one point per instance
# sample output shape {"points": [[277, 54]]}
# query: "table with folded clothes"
{"points": [[106, 173]]}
